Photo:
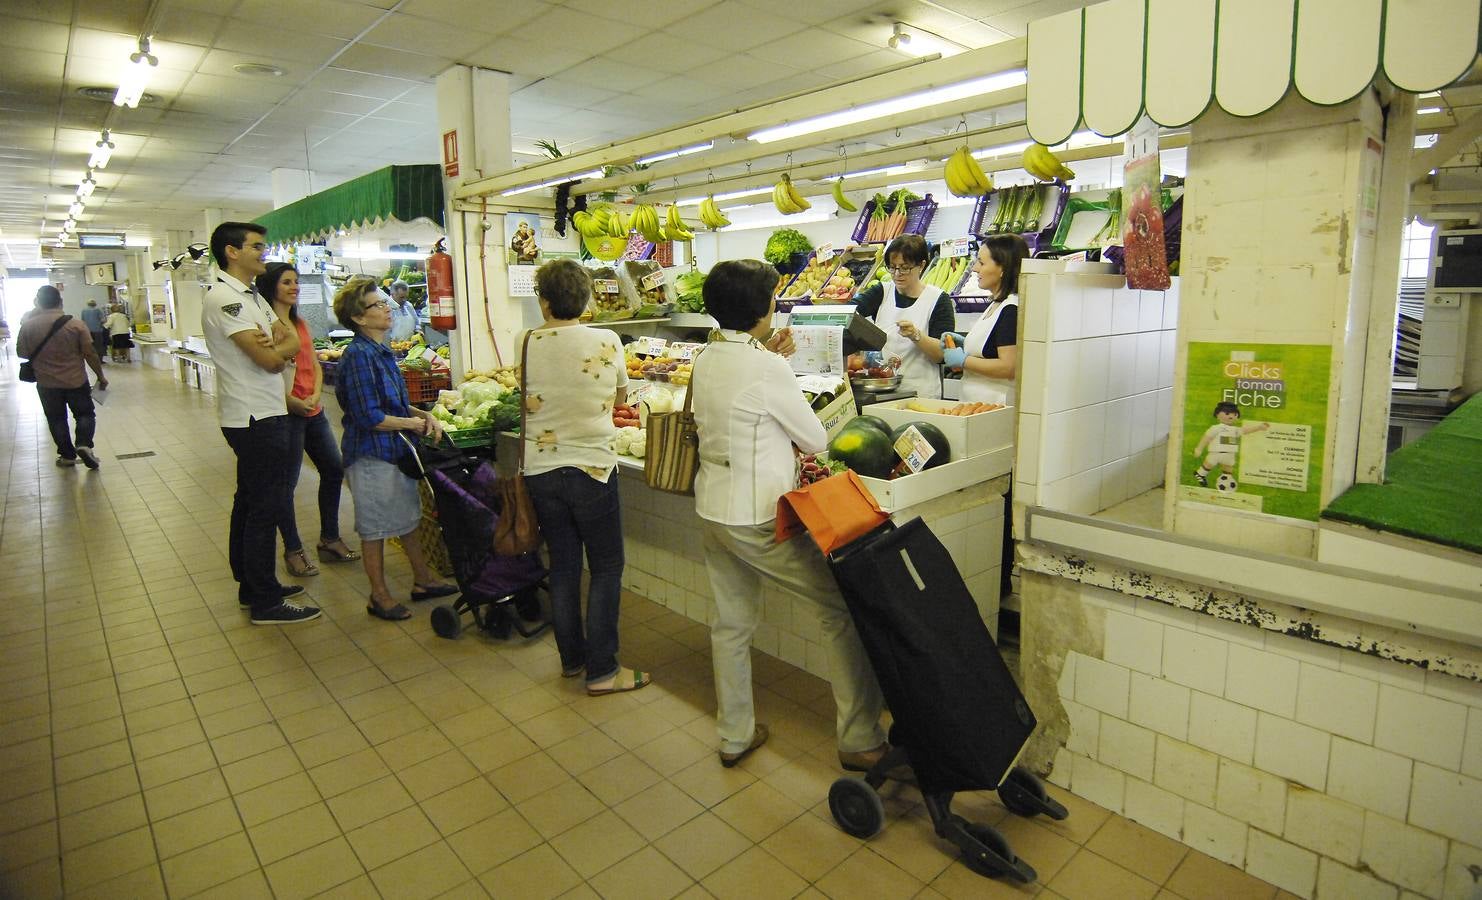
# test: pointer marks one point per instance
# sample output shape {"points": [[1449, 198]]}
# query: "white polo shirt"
{"points": [[750, 412], [244, 390]]}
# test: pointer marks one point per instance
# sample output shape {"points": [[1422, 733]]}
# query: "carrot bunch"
{"points": [[888, 218], [970, 409]]}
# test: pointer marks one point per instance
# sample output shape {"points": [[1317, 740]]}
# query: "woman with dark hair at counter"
{"points": [[912, 313]]}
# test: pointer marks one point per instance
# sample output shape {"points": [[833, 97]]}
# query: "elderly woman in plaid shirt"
{"points": [[380, 426]]}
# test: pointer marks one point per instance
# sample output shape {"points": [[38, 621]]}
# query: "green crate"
{"points": [[471, 437]]}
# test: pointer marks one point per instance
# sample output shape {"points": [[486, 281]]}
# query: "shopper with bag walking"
{"points": [[57, 347]]}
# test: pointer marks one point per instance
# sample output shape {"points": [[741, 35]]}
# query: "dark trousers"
{"points": [[55, 402], [313, 435], [100, 342], [263, 464], [577, 511]]}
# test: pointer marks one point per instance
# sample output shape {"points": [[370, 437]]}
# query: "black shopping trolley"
{"points": [[960, 721]]}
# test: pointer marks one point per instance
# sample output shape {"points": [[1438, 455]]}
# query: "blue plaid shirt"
{"points": [[370, 387]]}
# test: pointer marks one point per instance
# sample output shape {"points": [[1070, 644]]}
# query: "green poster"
{"points": [[1255, 419]]}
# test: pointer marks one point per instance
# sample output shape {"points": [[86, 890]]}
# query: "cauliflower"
{"points": [[640, 444]]}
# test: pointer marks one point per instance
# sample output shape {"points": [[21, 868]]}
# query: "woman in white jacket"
{"points": [[751, 415]]}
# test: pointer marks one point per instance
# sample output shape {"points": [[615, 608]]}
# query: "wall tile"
{"points": [[1251, 796], [1102, 685], [1374, 779], [1134, 642], [1117, 442], [1337, 880], [1450, 687], [1285, 865], [1154, 808], [1170, 306], [1162, 706], [1186, 770], [1093, 365], [1195, 660], [1385, 671], [1337, 702], [1446, 803], [1065, 684], [1292, 751], [1460, 882], [1404, 854], [1096, 312], [1215, 834], [1088, 430], [1058, 454], [1122, 372], [1324, 825], [1150, 311], [1027, 455], [1060, 771], [1149, 346], [1303, 650], [1085, 728], [1125, 311], [1034, 358], [1220, 726], [1144, 421], [1167, 351], [1425, 728], [1065, 311], [1100, 784], [1263, 680], [1126, 747], [1115, 483], [1163, 407], [1471, 754], [1061, 367]]}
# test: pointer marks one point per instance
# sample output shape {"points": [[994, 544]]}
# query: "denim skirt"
{"points": [[387, 503]]}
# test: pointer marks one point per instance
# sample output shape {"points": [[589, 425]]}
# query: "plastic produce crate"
{"points": [[919, 214], [471, 437], [422, 387]]}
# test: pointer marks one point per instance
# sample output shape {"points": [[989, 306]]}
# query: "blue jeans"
{"points": [[313, 435], [575, 510], [263, 464]]}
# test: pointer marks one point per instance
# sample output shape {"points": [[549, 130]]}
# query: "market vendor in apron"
{"points": [[988, 355], [913, 315]]}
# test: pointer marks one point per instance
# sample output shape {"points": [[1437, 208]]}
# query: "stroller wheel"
{"points": [[446, 622], [1025, 795], [856, 807], [999, 858]]}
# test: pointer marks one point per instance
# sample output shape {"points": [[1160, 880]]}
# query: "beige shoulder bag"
{"points": [[672, 451]]}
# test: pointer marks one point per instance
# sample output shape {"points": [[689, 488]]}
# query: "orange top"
{"points": [[304, 363]]}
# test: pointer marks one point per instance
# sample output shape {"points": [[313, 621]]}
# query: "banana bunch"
{"points": [[675, 228], [787, 199], [589, 225], [965, 178], [1044, 165], [711, 215], [843, 202], [646, 223]]}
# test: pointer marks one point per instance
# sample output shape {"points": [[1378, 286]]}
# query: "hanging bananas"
{"points": [[588, 224], [711, 215], [965, 178], [675, 228], [1044, 165], [787, 199], [646, 223], [843, 202]]}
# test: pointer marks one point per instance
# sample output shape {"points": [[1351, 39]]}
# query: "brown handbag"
{"points": [[671, 454], [517, 530]]}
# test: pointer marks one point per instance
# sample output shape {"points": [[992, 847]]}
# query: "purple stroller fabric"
{"points": [[468, 522]]}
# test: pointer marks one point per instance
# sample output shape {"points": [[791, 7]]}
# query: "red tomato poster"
{"points": [[1145, 259]]}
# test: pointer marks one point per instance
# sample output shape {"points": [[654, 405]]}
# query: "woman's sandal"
{"points": [[397, 613], [635, 680], [330, 554], [298, 564], [422, 592], [758, 737]]}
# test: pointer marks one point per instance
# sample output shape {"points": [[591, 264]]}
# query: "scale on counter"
{"points": [[859, 334]]}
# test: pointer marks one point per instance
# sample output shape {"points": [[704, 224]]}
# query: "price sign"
{"points": [[824, 251], [604, 286], [652, 280], [648, 345], [957, 247], [914, 449], [682, 350]]}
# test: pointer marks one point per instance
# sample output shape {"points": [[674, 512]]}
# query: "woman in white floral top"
{"points": [[574, 375]]}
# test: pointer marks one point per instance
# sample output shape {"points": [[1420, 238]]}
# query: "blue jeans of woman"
{"points": [[577, 511], [313, 435]]}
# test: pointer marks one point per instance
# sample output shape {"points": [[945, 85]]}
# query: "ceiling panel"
{"points": [[734, 26], [34, 34], [47, 10], [282, 43], [330, 18], [446, 40], [513, 55], [508, 15], [400, 63], [614, 72]]}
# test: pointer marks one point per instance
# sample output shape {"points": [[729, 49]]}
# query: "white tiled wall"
{"points": [[666, 563], [1096, 391], [1324, 771]]}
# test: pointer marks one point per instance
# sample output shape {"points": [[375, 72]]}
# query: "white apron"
{"points": [[978, 388], [918, 373]]}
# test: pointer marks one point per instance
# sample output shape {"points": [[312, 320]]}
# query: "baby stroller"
{"points": [[500, 591], [960, 721]]}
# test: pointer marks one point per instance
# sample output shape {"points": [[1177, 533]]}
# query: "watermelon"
{"points": [[875, 422], [864, 449], [933, 436]]}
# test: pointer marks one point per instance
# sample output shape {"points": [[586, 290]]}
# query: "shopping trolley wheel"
{"points": [[856, 807], [446, 621], [1025, 795], [995, 857]]}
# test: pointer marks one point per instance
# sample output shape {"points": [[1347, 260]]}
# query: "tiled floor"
{"points": [[152, 743]]}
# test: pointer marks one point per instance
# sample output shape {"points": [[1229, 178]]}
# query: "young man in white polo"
{"points": [[250, 347]]}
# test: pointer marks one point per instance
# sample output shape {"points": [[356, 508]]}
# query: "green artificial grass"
{"points": [[1432, 489]]}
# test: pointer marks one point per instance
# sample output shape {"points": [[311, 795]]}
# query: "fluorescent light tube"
{"points": [[883, 170], [1428, 110], [596, 173], [883, 108], [799, 219], [86, 188], [698, 148], [135, 78], [102, 152], [732, 195], [75, 209], [1003, 149]]}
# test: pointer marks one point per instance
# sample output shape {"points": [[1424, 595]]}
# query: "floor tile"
{"points": [[658, 810], [106, 859], [564, 806], [1088, 877], [369, 802], [646, 875], [866, 873], [388, 839], [285, 836], [493, 841], [1140, 850], [597, 844], [427, 873], [1200, 877], [192, 829], [314, 870], [537, 874], [810, 846], [753, 874], [105, 821], [531, 775], [141, 884], [466, 804]]}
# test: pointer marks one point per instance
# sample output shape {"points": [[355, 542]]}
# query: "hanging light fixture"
{"points": [[75, 209], [87, 186], [136, 76], [102, 152]]}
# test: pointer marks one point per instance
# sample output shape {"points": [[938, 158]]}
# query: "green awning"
{"points": [[400, 193]]}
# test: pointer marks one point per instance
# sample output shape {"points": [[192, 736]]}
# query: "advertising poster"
{"points": [[1146, 257], [1255, 420], [524, 238]]}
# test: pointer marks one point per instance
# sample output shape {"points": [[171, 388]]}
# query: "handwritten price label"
{"points": [[604, 286], [651, 346], [957, 247], [916, 450], [652, 280], [824, 252], [682, 350]]}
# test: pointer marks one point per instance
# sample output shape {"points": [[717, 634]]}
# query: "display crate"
{"points": [[1054, 195], [471, 437], [422, 386], [329, 367], [966, 435], [786, 304], [919, 214]]}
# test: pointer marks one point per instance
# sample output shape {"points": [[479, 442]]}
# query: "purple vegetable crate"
{"points": [[980, 212], [919, 214]]}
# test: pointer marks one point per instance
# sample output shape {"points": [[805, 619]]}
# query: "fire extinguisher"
{"points": [[440, 289]]}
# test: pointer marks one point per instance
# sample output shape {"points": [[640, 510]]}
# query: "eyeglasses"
{"points": [[901, 270], [259, 246], [379, 304]]}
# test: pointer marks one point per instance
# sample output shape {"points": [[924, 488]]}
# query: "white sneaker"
{"points": [[66, 463], [88, 457]]}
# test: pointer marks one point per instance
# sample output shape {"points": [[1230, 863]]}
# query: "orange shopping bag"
{"points": [[835, 511]]}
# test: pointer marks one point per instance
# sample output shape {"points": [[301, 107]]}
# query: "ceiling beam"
{"points": [[934, 73], [1445, 147]]}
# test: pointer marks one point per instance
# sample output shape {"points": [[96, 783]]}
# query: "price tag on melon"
{"points": [[648, 345], [652, 280], [682, 350], [957, 247], [604, 286], [914, 449]]}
